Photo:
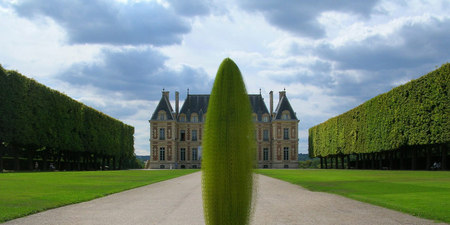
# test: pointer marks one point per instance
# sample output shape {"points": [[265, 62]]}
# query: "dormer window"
{"points": [[162, 115], [194, 118], [265, 118], [254, 117], [182, 118], [285, 115]]}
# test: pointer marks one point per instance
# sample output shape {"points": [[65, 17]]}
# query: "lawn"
{"points": [[26, 193], [424, 194]]}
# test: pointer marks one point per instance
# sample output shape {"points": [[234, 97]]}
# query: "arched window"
{"points": [[194, 118], [254, 117], [182, 117], [265, 118], [285, 115], [162, 115]]}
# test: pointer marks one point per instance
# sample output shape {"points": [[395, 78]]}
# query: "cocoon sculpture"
{"points": [[228, 150]]}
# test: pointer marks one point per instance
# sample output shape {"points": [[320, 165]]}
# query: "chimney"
{"points": [[177, 102], [271, 102], [166, 94], [282, 94]]}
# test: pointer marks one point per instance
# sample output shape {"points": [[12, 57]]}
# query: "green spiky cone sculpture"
{"points": [[228, 150]]}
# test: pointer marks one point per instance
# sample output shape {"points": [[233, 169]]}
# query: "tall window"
{"points": [[194, 135], [194, 118], [265, 135], [286, 133], [194, 154], [162, 154], [286, 153], [265, 154], [162, 134], [182, 118], [182, 135], [265, 118], [182, 154], [255, 117]]}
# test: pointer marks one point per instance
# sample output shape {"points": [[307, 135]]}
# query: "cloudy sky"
{"points": [[329, 55]]}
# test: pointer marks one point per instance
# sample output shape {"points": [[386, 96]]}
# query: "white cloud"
{"points": [[330, 59], [37, 48]]}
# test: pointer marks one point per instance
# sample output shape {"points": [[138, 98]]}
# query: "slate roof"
{"points": [[164, 104], [195, 104], [258, 106], [199, 105], [284, 104]]}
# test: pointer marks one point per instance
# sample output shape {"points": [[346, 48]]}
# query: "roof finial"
{"points": [[284, 89], [188, 91], [163, 89], [260, 91]]}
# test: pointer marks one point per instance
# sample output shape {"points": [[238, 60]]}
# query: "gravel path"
{"points": [[178, 201]]}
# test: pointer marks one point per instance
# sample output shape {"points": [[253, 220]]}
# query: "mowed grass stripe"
{"points": [[424, 194], [26, 193]]}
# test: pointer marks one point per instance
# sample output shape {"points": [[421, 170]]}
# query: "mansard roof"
{"points": [[258, 105], [283, 105], [164, 104], [199, 104], [195, 104]]}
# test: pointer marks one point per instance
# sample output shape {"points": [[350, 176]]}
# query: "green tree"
{"points": [[229, 151]]}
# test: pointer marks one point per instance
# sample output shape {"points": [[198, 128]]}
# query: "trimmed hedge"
{"points": [[416, 113], [33, 116]]}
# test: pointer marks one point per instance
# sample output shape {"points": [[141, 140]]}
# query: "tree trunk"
{"points": [[402, 159], [342, 162], [380, 160], [1, 156], [428, 152], [16, 159], [30, 159], [44, 159], [103, 162], [331, 162], [79, 161], [321, 162], [336, 164], [95, 162], [444, 156], [363, 158], [372, 160], [348, 161], [391, 159], [326, 162], [413, 158], [357, 162], [114, 163]]}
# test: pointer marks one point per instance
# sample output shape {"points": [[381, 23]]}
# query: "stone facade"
{"points": [[176, 136]]}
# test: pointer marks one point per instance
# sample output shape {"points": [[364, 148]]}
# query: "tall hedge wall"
{"points": [[33, 116], [416, 113]]}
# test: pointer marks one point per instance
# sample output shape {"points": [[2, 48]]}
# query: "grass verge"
{"points": [[424, 194], [26, 193]]}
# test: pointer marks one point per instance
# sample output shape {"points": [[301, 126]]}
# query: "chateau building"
{"points": [[176, 136]]}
